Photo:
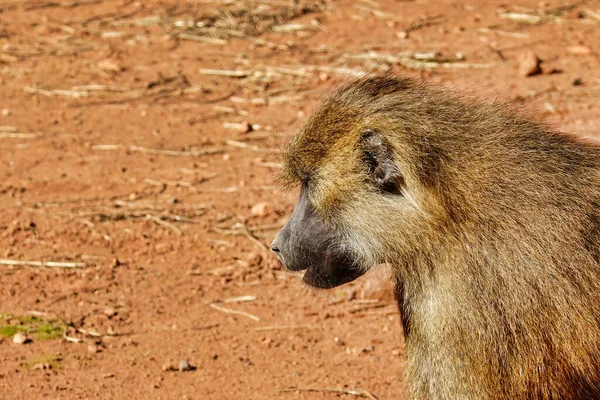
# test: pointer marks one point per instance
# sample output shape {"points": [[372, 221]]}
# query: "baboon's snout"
{"points": [[276, 247]]}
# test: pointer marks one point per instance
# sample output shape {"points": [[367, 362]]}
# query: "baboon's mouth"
{"points": [[335, 270]]}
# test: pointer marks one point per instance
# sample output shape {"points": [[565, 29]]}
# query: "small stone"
{"points": [[184, 366], [529, 64], [168, 366], [247, 127], [110, 312], [173, 200], [93, 349], [577, 82], [5, 112], [42, 366], [109, 65], [369, 349], [261, 209], [402, 35], [20, 338], [579, 50]]}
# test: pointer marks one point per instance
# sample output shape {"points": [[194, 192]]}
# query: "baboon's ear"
{"points": [[382, 171]]}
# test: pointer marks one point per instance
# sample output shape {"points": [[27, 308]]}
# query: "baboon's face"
{"points": [[308, 242], [320, 236]]}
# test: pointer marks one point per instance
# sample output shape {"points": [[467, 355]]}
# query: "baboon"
{"points": [[490, 220]]}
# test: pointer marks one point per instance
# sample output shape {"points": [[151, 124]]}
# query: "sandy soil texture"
{"points": [[140, 145]]}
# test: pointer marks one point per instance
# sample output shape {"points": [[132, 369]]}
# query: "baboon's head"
{"points": [[358, 185]]}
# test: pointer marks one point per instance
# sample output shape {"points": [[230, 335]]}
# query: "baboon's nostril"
{"points": [[275, 249]]}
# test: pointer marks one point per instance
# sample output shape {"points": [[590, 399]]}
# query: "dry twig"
{"points": [[50, 264], [352, 392], [164, 223], [160, 152], [239, 299]]}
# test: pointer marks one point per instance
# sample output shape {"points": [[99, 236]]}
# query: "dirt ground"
{"points": [[140, 144]]}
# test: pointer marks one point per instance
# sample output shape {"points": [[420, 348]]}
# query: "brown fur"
{"points": [[495, 239]]}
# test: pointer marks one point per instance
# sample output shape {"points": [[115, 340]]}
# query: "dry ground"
{"points": [[127, 149]]}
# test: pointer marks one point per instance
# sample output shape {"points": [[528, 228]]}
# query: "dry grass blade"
{"points": [[242, 230], [164, 87], [522, 17], [289, 28], [237, 19], [268, 164], [252, 147], [106, 147], [356, 73], [225, 72], [516, 35], [282, 327], [419, 61], [239, 299], [166, 224], [72, 339], [89, 332], [216, 306], [353, 392], [591, 14], [144, 21], [159, 152], [418, 65], [68, 4], [204, 39], [174, 153], [17, 135], [50, 264]]}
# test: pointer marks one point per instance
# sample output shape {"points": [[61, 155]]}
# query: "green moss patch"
{"points": [[45, 361], [38, 328]]}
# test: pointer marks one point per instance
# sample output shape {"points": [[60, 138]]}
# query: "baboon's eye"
{"points": [[382, 171]]}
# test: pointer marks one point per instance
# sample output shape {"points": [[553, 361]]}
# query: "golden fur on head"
{"points": [[494, 235]]}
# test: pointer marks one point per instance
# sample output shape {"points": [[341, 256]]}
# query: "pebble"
{"points": [[109, 312], [529, 64], [402, 34], [168, 366], [109, 65], [184, 365], [261, 209], [368, 349], [19, 338], [579, 50]]}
